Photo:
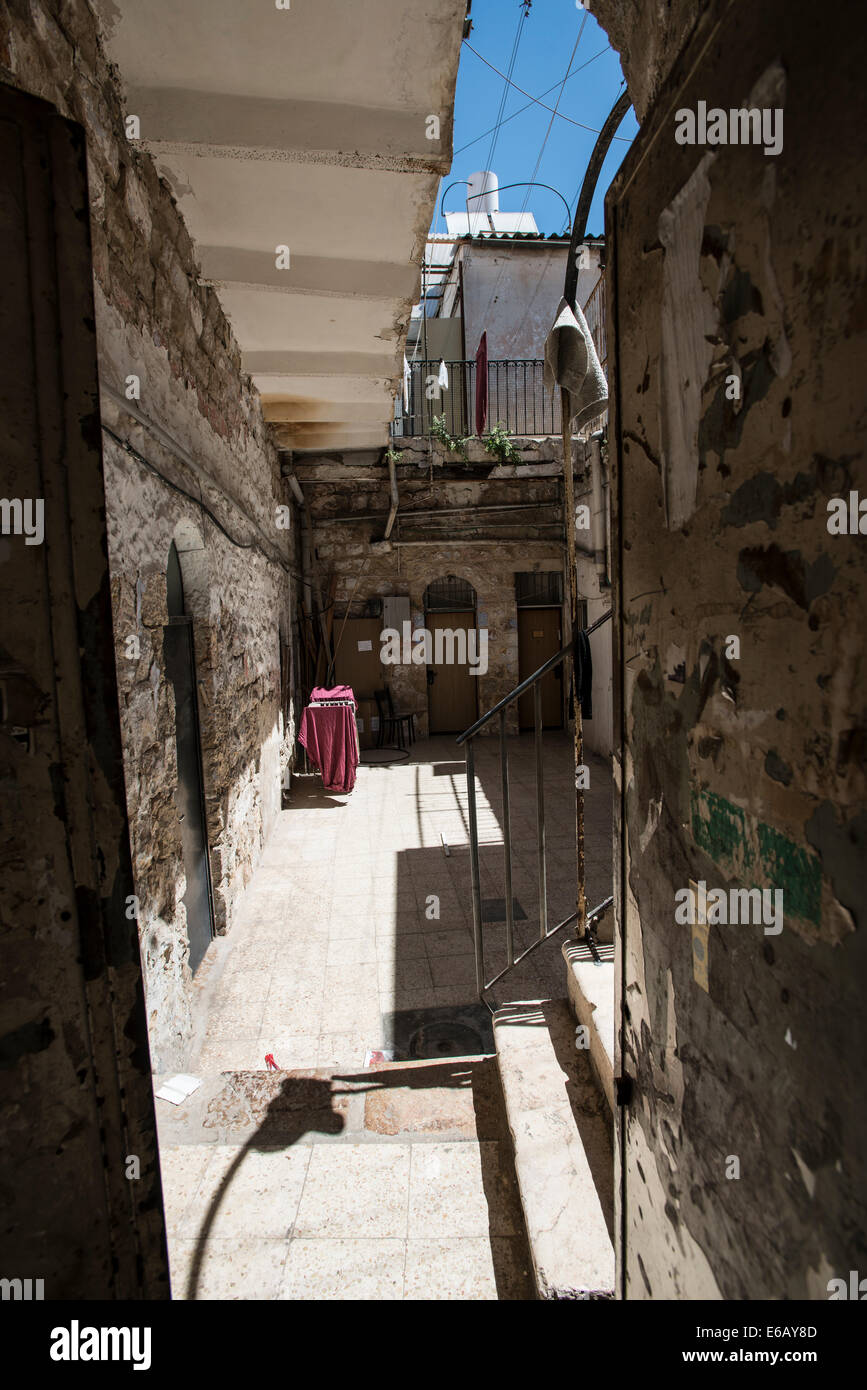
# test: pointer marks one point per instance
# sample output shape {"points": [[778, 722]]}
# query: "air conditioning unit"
{"points": [[395, 611]]}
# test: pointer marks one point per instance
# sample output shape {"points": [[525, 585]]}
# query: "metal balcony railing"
{"points": [[532, 683], [595, 314], [517, 398]]}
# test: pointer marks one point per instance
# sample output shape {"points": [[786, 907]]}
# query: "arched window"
{"points": [[450, 595]]}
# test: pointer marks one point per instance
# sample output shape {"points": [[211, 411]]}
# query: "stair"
{"points": [[561, 1134], [590, 983]]}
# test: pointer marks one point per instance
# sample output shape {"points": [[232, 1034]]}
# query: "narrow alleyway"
{"points": [[326, 1179]]}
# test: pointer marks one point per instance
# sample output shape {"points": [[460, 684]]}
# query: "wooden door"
{"points": [[539, 637], [452, 690], [357, 663]]}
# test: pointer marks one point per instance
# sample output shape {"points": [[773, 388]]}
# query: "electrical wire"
{"points": [[191, 497], [553, 114], [521, 109], [506, 84], [625, 139]]}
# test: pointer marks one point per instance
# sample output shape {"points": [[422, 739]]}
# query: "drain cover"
{"points": [[426, 1034], [448, 1039]]}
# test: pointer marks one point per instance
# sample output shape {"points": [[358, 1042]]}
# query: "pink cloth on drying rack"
{"points": [[330, 736], [338, 692]]}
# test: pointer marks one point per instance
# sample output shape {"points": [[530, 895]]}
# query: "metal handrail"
{"points": [[466, 738], [528, 683]]}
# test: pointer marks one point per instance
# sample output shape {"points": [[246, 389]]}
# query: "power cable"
{"points": [[626, 140], [521, 109], [506, 84], [553, 114]]}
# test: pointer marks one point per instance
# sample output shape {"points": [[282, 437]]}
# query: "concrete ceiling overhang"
{"points": [[305, 127]]}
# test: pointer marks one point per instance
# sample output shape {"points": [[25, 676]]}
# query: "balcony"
{"points": [[517, 398], [517, 395]]}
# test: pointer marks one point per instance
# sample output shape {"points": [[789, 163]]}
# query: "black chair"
{"points": [[392, 722]]}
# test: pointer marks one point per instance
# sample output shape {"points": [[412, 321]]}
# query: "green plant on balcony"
{"points": [[450, 442], [499, 444]]}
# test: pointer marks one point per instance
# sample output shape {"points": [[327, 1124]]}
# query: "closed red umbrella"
{"points": [[482, 384]]}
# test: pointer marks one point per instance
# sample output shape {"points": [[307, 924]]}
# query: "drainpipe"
{"points": [[598, 512], [392, 484]]}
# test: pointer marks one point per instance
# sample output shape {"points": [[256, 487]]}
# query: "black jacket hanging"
{"points": [[584, 674]]}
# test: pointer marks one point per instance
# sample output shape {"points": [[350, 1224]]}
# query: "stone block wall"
{"points": [[187, 459], [484, 547]]}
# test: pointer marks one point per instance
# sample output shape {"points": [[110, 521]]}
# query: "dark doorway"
{"points": [[180, 659], [77, 1095], [450, 608], [539, 598]]}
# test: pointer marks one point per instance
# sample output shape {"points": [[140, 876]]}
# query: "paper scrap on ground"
{"points": [[178, 1088]]}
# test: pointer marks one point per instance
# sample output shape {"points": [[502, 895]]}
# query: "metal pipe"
{"points": [[507, 839], [540, 813], [585, 198], [478, 945], [442, 511], [525, 685], [567, 921], [578, 738], [392, 483]]}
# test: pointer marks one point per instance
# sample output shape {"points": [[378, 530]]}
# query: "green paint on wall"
{"points": [[720, 829], [756, 853], [792, 869]]}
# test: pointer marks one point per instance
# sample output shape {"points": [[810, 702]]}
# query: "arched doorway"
{"points": [[452, 691], [180, 662]]}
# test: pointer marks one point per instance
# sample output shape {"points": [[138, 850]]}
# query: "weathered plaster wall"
{"points": [[742, 770], [198, 423], [511, 291], [486, 548], [649, 37], [75, 1081]]}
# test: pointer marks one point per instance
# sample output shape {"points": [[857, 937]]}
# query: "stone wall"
{"points": [[187, 458], [469, 539]]}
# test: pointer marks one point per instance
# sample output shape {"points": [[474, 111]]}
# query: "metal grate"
{"points": [[539, 590], [450, 595]]}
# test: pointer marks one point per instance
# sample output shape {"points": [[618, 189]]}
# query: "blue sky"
{"points": [[548, 35]]}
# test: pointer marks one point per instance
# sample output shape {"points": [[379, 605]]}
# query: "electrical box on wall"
{"points": [[395, 611]]}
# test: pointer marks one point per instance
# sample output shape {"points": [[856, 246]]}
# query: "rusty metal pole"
{"points": [[569, 508]]}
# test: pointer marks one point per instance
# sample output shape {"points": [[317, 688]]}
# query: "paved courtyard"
{"points": [[326, 1179]]}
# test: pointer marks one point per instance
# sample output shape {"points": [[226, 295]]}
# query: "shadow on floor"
{"points": [[302, 1105], [308, 1104]]}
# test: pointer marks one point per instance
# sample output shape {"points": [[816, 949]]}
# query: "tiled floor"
{"points": [[372, 1189]]}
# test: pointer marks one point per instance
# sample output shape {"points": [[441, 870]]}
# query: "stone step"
{"points": [[590, 984], [561, 1133]]}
